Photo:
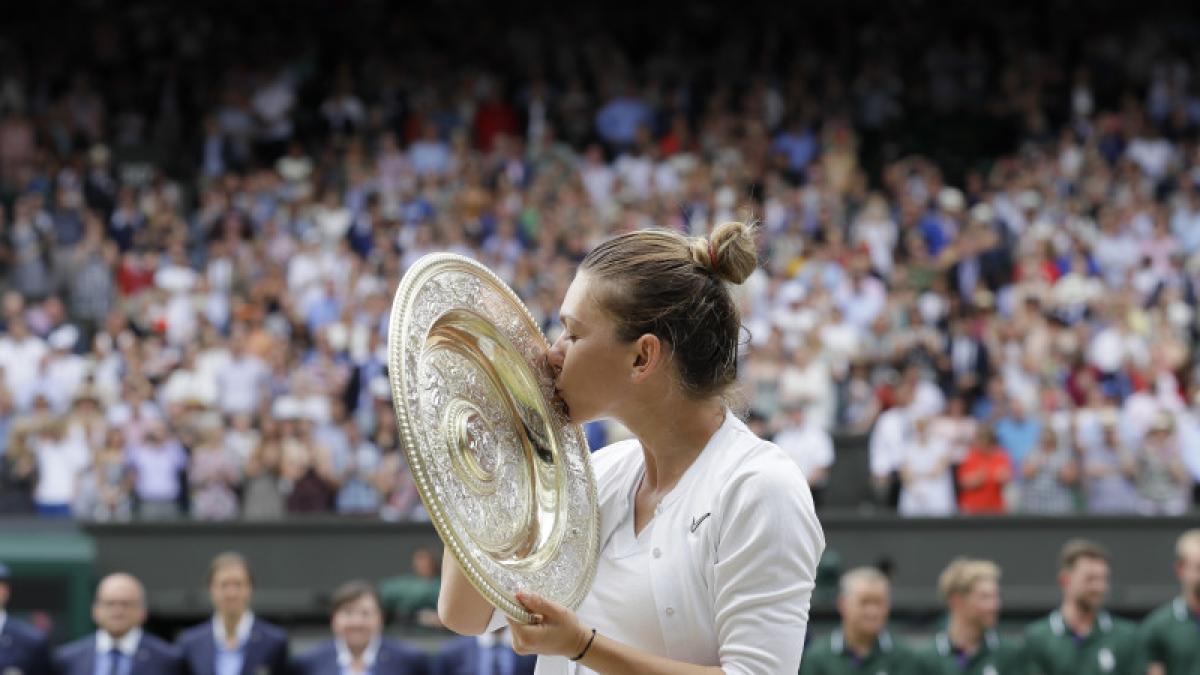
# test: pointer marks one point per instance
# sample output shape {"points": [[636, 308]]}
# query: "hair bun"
{"points": [[729, 252]]}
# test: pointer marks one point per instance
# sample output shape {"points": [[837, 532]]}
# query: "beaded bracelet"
{"points": [[587, 646]]}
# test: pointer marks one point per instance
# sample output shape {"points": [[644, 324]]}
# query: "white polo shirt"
{"points": [[733, 554]]}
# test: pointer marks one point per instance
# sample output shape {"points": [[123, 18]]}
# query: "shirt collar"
{"points": [[127, 645], [344, 657], [1180, 609], [1058, 624], [243, 629], [729, 425], [990, 642], [489, 640], [837, 641]]}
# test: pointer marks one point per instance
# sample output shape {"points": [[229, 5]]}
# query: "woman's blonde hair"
{"points": [[662, 283], [960, 577]]}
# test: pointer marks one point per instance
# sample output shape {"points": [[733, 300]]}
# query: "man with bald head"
{"points": [[119, 647], [862, 644]]}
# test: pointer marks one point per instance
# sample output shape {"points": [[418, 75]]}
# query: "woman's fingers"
{"points": [[536, 605]]}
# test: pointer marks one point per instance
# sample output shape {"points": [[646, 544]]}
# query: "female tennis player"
{"points": [[709, 540]]}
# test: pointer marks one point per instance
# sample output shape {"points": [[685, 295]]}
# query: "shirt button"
{"points": [[657, 553], [670, 611]]}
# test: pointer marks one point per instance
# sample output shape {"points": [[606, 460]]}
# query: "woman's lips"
{"points": [[562, 402]]}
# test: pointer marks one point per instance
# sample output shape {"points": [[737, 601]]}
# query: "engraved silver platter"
{"points": [[504, 475]]}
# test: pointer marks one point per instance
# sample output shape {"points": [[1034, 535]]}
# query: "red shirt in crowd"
{"points": [[981, 479]]}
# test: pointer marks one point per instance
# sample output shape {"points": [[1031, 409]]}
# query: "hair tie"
{"points": [[712, 258]]}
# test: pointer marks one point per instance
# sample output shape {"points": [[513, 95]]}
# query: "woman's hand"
{"points": [[555, 630]]}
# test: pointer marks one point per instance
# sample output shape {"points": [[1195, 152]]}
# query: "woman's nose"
{"points": [[555, 356]]}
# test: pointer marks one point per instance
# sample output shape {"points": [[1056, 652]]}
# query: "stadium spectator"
{"points": [[889, 438], [234, 641], [970, 643], [982, 476], [862, 644], [412, 598], [1168, 634], [104, 491], [1163, 479], [927, 484], [1050, 476], [119, 644], [808, 445], [25, 648], [158, 462], [358, 645], [1109, 470], [487, 653], [214, 476], [1081, 637], [18, 470], [60, 459], [263, 490]]}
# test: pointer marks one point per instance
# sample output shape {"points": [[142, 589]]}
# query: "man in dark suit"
{"points": [[119, 647], [234, 641], [487, 654], [358, 646], [965, 365], [22, 648]]}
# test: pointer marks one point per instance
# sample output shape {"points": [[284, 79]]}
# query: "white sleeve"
{"points": [[499, 620], [767, 554]]}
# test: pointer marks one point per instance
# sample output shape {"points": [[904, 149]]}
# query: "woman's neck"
{"points": [[673, 432], [230, 621]]}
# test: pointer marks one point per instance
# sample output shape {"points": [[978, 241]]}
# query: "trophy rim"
{"points": [[398, 376]]}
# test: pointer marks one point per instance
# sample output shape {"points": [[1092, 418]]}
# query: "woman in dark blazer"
{"points": [[234, 641]]}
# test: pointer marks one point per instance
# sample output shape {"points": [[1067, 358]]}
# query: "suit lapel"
{"points": [[88, 662], [204, 660], [382, 660], [141, 660], [251, 655]]}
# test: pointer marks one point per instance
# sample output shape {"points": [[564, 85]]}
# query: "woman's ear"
{"points": [[647, 355]]}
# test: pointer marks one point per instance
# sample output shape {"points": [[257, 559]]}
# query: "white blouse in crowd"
{"points": [[931, 490], [732, 562]]}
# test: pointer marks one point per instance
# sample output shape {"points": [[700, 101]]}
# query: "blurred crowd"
{"points": [[980, 239]]}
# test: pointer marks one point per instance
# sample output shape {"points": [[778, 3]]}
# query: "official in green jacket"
{"points": [[1080, 638], [862, 644], [969, 645], [1170, 636]]}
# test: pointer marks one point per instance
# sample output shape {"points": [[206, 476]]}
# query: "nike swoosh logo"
{"points": [[696, 522]]}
